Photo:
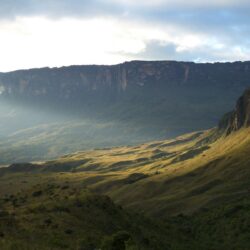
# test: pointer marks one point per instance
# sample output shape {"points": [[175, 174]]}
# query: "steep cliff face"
{"points": [[137, 101], [240, 117], [75, 81], [49, 112], [63, 82]]}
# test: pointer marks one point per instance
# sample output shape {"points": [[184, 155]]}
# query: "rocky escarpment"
{"points": [[240, 117], [156, 99], [69, 82], [75, 81]]}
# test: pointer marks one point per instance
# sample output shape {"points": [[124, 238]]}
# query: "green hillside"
{"points": [[151, 177], [191, 192], [59, 216], [198, 190]]}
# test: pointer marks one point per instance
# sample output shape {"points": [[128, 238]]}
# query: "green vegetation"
{"points": [[191, 192], [52, 216], [187, 193]]}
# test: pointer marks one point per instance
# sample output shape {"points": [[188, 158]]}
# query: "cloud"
{"points": [[38, 42], [161, 51], [63, 32], [10, 9], [86, 8], [180, 3]]}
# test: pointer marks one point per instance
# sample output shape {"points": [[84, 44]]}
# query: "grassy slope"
{"points": [[219, 173], [59, 216], [151, 177], [48, 141], [200, 189]]}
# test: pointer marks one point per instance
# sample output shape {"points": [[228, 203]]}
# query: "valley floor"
{"points": [[188, 193]]}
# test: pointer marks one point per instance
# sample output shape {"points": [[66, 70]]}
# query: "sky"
{"points": [[54, 33]]}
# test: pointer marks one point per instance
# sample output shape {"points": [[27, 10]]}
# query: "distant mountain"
{"points": [[92, 106]]}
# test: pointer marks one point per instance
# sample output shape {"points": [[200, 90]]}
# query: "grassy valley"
{"points": [[192, 192], [151, 176]]}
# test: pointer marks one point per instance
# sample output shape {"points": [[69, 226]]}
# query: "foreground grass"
{"points": [[64, 217], [58, 215]]}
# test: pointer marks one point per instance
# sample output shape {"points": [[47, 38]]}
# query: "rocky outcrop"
{"points": [[240, 117]]}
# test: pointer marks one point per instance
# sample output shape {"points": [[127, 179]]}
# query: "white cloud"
{"points": [[28, 42], [38, 42], [180, 3]]}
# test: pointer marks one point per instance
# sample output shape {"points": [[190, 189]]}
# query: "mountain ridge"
{"points": [[116, 105], [124, 62]]}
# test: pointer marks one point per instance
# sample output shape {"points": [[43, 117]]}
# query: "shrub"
{"points": [[116, 242], [37, 193], [88, 243]]}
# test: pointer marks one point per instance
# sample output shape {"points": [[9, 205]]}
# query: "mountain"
{"points": [[53, 111], [193, 192], [240, 117]]}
